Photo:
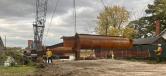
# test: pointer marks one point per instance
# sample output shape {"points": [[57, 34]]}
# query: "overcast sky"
{"points": [[17, 16]]}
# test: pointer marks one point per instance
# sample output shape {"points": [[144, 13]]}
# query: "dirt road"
{"points": [[103, 68]]}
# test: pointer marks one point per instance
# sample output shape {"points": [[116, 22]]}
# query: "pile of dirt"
{"points": [[104, 67]]}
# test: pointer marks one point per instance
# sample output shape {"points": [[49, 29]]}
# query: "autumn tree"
{"points": [[111, 16], [111, 20], [129, 32]]}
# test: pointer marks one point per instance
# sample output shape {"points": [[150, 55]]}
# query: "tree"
{"points": [[124, 32], [110, 21], [141, 27], [156, 11], [129, 33]]}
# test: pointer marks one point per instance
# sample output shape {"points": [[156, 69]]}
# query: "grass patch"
{"points": [[17, 71]]}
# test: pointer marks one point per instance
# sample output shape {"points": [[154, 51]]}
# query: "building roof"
{"points": [[163, 34], [151, 39], [68, 37], [145, 40], [94, 35]]}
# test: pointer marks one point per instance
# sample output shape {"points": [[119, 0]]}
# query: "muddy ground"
{"points": [[104, 67]]}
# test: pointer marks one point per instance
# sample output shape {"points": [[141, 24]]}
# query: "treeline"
{"points": [[113, 21]]}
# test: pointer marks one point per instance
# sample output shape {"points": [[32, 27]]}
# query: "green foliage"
{"points": [[129, 33], [111, 16], [156, 11], [16, 53], [2, 57], [141, 27]]}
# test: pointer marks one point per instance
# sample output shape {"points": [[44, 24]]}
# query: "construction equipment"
{"points": [[39, 24]]}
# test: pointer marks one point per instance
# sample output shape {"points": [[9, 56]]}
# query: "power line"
{"points": [[57, 1]]}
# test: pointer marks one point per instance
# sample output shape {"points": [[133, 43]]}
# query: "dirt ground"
{"points": [[104, 67]]}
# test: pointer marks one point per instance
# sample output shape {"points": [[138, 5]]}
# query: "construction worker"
{"points": [[49, 56], [158, 53]]}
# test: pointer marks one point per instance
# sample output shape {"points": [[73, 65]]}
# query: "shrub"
{"points": [[16, 53], [2, 57]]}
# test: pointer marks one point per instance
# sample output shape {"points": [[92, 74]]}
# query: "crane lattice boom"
{"points": [[39, 24]]}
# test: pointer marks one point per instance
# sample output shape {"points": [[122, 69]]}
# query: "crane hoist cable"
{"points": [[54, 11], [75, 16]]}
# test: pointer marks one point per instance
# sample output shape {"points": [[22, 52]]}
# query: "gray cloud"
{"points": [[17, 16], [16, 8]]}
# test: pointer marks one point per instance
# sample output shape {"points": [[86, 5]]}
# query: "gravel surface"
{"points": [[104, 67]]}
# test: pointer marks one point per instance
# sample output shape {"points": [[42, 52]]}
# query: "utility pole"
{"points": [[39, 24]]}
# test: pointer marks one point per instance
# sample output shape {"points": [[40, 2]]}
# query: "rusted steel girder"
{"points": [[85, 41], [62, 50], [97, 41]]}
